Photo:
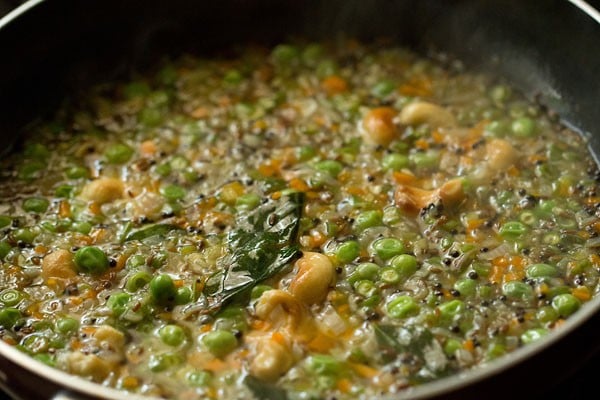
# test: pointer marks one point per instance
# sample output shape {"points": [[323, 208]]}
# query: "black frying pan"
{"points": [[550, 48]]}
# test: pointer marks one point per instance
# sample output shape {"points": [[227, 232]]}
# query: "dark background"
{"points": [[582, 382]]}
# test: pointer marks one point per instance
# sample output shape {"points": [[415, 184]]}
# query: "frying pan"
{"points": [[551, 49]]}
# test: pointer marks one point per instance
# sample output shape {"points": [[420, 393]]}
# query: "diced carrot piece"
{"points": [[421, 144], [279, 338], [469, 345], [321, 343], [64, 209], [148, 148], [334, 85], [404, 178], [215, 365], [344, 385], [582, 293], [364, 370], [299, 184]]}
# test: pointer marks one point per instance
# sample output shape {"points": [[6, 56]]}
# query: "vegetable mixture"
{"points": [[311, 221]]}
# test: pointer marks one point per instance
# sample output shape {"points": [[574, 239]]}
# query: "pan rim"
{"points": [[435, 388]]}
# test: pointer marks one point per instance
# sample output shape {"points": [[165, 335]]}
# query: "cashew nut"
{"points": [[103, 190], [413, 199], [272, 361], [271, 299], [313, 278], [422, 112], [111, 337], [88, 365], [58, 264], [500, 154], [378, 126]]}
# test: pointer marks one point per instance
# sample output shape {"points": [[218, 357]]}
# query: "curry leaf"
{"points": [[262, 246], [149, 231], [394, 340]]}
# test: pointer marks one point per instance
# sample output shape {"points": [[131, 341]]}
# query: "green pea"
{"points": [[394, 162], [67, 325], [162, 362], [233, 77], [305, 153], [347, 251], [4, 250], [179, 163], [138, 281], [117, 302], [258, 290], [427, 159], [324, 364], [232, 318], [220, 342], [402, 307], [368, 219], [150, 117], [451, 309], [184, 295], [326, 68], [532, 335], [10, 297], [541, 271], [136, 89], [495, 350], [512, 230], [173, 192], [25, 235], [312, 53], [500, 93], [35, 343], [247, 201], [365, 288], [452, 346], [466, 287], [173, 335], [77, 172], [518, 290], [163, 169], [81, 227], [383, 88], [5, 221], [36, 150], [523, 127], [64, 191], [163, 289], [159, 259], [405, 264], [566, 304], [390, 275], [331, 167], [285, 54], [30, 170], [199, 378], [9, 317], [46, 358], [91, 260], [387, 248], [528, 218], [135, 261], [484, 291], [36, 204], [118, 153], [547, 314], [366, 270]]}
